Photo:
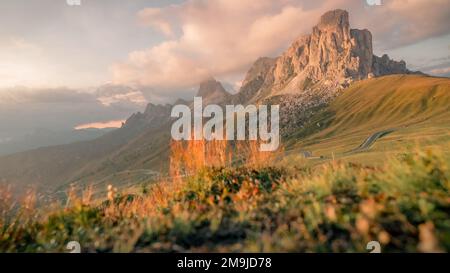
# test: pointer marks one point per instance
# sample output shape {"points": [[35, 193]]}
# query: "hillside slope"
{"points": [[416, 107], [53, 167]]}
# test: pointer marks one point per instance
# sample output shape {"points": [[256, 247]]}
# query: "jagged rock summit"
{"points": [[331, 57], [212, 92], [314, 70], [154, 116]]}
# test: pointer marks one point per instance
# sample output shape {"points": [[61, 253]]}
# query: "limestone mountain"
{"points": [[319, 64], [260, 77], [154, 116], [315, 69], [332, 57], [212, 92]]}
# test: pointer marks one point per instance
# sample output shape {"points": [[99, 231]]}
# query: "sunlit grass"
{"points": [[336, 207]]}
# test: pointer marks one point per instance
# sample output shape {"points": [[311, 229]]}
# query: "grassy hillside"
{"points": [[134, 162], [338, 208], [55, 167], [416, 107]]}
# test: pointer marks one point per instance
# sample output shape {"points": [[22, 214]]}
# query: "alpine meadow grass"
{"points": [[333, 207]]}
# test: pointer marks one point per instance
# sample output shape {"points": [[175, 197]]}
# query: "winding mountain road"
{"points": [[371, 140]]}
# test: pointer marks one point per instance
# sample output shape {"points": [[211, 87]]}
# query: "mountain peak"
{"points": [[335, 18], [332, 56], [181, 102], [327, 60], [212, 91], [209, 87]]}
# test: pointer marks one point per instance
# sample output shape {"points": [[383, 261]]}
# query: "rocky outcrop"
{"points": [[332, 56], [384, 66], [258, 79], [314, 70], [182, 102], [212, 92], [154, 116]]}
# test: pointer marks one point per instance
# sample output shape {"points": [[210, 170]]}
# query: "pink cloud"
{"points": [[223, 37], [155, 17], [101, 125], [440, 71]]}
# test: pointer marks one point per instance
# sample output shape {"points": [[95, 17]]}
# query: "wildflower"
{"points": [[111, 192], [362, 225], [427, 239], [369, 208], [384, 237], [330, 213]]}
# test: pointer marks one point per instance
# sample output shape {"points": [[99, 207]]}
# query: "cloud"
{"points": [[154, 17], [106, 96], [219, 37], [101, 125], [135, 97], [223, 37], [440, 69], [400, 23], [109, 95], [23, 95], [23, 110], [22, 45], [19, 58]]}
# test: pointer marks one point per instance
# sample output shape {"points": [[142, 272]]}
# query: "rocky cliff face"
{"points": [[212, 92], [384, 66], [315, 68], [154, 116], [333, 55], [259, 78]]}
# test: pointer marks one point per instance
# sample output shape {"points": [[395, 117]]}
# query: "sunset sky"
{"points": [[162, 49]]}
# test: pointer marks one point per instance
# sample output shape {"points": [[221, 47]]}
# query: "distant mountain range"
{"points": [[304, 80], [44, 138]]}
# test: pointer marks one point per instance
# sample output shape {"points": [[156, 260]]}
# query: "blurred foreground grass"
{"points": [[336, 207]]}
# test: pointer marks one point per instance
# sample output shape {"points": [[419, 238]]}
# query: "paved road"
{"points": [[371, 140]]}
